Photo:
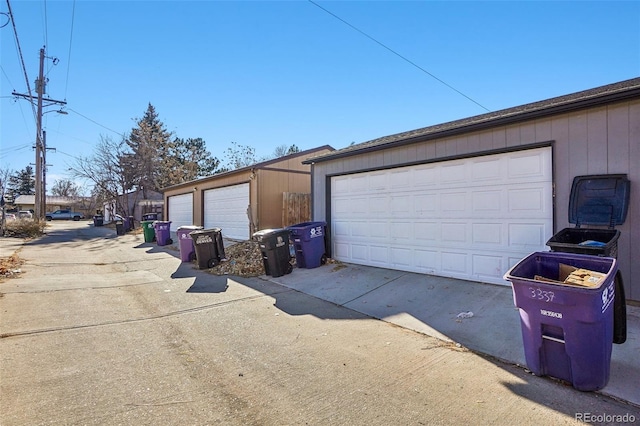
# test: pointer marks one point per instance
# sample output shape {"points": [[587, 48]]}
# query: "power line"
{"points": [[73, 14], [398, 55], [6, 76], [15, 148], [46, 26], [95, 122], [24, 68]]}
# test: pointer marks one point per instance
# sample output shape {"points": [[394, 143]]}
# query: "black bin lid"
{"points": [[599, 200]]}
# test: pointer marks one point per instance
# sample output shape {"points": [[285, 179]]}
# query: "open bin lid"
{"points": [[599, 200]]}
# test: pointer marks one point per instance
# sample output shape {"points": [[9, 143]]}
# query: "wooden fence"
{"points": [[296, 208]]}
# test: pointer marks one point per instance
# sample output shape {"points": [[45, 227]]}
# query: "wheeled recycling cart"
{"points": [[187, 249], [148, 231], [309, 244], [163, 232], [567, 330]]}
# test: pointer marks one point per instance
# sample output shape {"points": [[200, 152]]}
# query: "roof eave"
{"points": [[513, 118]]}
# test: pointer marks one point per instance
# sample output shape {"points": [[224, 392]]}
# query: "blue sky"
{"points": [[267, 73]]}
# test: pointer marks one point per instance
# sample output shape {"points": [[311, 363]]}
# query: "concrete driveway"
{"points": [[109, 330]]}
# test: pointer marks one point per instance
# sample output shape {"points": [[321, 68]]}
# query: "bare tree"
{"points": [[111, 177], [66, 188], [5, 173], [283, 150], [239, 156]]}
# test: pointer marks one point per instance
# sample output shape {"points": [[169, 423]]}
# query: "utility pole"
{"points": [[43, 208], [40, 202], [39, 214]]}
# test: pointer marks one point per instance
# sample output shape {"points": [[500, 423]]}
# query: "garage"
{"points": [[180, 210], [431, 199], [226, 208], [467, 218]]}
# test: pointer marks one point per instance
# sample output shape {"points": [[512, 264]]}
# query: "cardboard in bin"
{"points": [[575, 276]]}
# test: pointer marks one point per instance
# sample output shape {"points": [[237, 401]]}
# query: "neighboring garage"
{"points": [[180, 210], [226, 208], [245, 200], [469, 198]]}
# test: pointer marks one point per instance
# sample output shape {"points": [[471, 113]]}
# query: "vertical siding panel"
{"points": [[543, 130], [618, 139], [400, 155], [527, 133], [618, 162], [411, 152], [462, 143], [578, 145], [486, 140], [499, 138], [473, 142], [632, 227], [562, 177], [376, 160], [512, 133], [597, 141], [452, 146], [422, 151]]}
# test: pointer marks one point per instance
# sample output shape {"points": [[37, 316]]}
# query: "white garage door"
{"points": [[470, 218], [180, 210], [226, 208]]}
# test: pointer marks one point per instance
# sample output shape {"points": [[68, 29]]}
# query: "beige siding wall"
{"points": [[271, 184], [601, 140], [198, 187]]}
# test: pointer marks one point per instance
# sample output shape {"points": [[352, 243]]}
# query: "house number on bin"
{"points": [[539, 294], [316, 232]]}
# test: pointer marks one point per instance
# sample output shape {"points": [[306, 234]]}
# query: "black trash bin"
{"points": [[98, 220], [209, 247], [119, 226], [600, 200], [150, 216], [131, 224], [274, 245]]}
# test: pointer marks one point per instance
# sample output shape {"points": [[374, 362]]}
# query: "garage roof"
{"points": [[628, 89], [261, 165]]}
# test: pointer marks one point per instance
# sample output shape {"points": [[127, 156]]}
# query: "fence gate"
{"points": [[296, 208]]}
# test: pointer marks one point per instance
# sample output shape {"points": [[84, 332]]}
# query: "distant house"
{"points": [[138, 203], [79, 204]]}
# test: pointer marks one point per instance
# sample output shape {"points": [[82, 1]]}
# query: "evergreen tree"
{"points": [[22, 182], [151, 146], [191, 160]]}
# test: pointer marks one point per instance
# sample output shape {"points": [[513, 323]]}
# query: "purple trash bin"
{"points": [[163, 232], [567, 330], [187, 249], [308, 243]]}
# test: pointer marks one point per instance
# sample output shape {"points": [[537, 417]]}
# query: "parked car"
{"points": [[25, 214], [64, 214]]}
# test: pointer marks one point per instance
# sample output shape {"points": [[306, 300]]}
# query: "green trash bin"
{"points": [[149, 231]]}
